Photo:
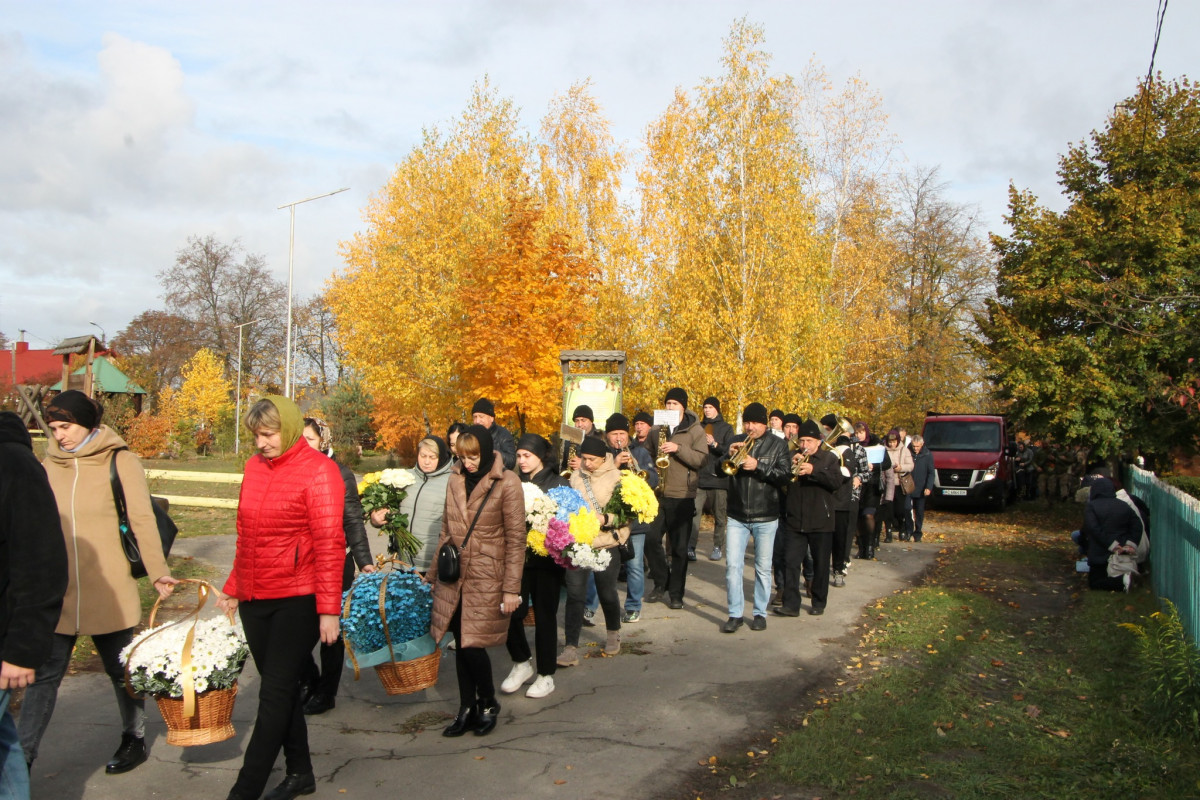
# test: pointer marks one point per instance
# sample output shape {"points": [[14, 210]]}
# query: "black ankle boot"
{"points": [[465, 721], [131, 753], [488, 715], [292, 786]]}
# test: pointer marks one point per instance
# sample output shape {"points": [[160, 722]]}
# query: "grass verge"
{"points": [[1002, 676]]}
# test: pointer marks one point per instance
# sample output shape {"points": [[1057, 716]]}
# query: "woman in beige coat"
{"points": [[485, 500], [102, 597], [595, 481]]}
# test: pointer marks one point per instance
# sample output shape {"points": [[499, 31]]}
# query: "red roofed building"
{"points": [[30, 366]]}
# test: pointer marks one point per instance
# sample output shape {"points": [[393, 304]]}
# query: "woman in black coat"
{"points": [[542, 582]]}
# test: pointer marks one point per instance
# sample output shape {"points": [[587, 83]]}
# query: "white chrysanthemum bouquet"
{"points": [[155, 657]]}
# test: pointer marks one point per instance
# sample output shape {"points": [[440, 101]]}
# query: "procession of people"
{"points": [[792, 494]]}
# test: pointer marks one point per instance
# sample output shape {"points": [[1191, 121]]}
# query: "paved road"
{"points": [[625, 727]]}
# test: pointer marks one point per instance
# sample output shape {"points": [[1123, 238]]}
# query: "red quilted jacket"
{"points": [[289, 521]]}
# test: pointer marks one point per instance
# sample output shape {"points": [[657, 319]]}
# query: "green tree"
{"points": [[347, 409], [1093, 328]]}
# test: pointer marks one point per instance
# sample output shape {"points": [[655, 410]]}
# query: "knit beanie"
{"points": [[678, 395], [777, 414], [755, 412], [793, 418], [829, 421], [583, 411], [714, 402], [592, 446], [617, 422], [643, 416], [484, 406], [809, 429]]}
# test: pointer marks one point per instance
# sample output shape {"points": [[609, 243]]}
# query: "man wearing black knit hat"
{"points": [[810, 520], [629, 455], [585, 420], [714, 484], [484, 413], [763, 471], [686, 450]]}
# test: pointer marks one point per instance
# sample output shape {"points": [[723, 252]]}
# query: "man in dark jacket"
{"points": [[484, 413], [810, 521], [585, 419], [922, 476], [714, 484], [686, 451], [753, 512], [33, 579]]}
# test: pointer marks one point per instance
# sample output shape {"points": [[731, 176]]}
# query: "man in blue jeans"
{"points": [[753, 509], [33, 572], [629, 455]]}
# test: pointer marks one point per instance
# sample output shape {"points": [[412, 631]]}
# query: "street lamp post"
{"points": [[237, 414], [287, 380], [103, 335]]}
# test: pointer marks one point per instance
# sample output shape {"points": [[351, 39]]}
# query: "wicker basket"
{"points": [[211, 722], [406, 677], [530, 618]]}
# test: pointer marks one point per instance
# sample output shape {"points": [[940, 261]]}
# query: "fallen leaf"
{"points": [[1033, 711], [480, 758], [559, 782], [997, 662]]}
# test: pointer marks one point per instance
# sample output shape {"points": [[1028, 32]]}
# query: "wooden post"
{"points": [[88, 387]]}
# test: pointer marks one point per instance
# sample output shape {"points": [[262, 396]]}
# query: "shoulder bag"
{"points": [[167, 529], [449, 569]]}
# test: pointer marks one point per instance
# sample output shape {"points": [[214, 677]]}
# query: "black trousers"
{"points": [[472, 667], [677, 513], [325, 680], [796, 547], [281, 634], [543, 585], [656, 557], [844, 524]]}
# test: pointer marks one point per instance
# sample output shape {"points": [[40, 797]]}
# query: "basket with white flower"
{"points": [[386, 490], [190, 667], [386, 616]]}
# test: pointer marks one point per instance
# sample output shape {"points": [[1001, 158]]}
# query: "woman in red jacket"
{"points": [[287, 585]]}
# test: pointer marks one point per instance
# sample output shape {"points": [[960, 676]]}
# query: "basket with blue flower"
{"points": [[386, 617]]}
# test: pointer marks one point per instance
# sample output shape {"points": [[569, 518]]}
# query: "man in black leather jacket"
{"points": [[753, 512]]}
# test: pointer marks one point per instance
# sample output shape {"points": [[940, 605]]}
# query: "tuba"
{"points": [[733, 464]]}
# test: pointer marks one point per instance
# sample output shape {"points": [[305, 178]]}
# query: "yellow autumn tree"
{"points": [[427, 307], [734, 265], [203, 397]]}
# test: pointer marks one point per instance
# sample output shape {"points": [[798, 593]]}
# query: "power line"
{"points": [[1158, 25]]}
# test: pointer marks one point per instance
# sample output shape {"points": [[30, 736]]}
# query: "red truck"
{"points": [[972, 459]]}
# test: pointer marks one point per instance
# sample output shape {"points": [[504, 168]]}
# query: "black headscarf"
{"points": [[443, 451], [487, 456], [76, 408]]}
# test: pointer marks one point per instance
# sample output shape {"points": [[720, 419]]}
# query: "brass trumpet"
{"points": [[633, 465], [733, 464]]}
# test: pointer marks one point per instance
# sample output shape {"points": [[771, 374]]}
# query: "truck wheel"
{"points": [[1000, 502]]}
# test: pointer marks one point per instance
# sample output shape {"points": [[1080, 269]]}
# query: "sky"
{"points": [[126, 128]]}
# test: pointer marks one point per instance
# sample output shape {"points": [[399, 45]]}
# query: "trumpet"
{"points": [[731, 465], [633, 465], [802, 459]]}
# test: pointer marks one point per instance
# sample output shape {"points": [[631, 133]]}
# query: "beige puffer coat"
{"points": [[602, 482], [492, 562], [102, 597]]}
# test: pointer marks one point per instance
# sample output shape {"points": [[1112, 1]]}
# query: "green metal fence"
{"points": [[1174, 544]]}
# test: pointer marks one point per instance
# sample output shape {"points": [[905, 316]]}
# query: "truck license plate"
{"points": [[954, 492]]}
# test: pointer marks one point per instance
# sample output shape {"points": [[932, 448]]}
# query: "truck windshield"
{"points": [[963, 435]]}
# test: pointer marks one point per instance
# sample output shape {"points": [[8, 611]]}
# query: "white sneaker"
{"points": [[517, 676], [543, 686]]}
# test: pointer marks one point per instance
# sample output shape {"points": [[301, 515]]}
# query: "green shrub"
{"points": [[1184, 483], [1170, 671]]}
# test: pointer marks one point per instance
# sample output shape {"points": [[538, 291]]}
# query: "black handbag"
{"points": [[167, 529], [448, 568], [625, 549]]}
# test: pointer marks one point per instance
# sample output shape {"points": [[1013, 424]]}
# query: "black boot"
{"points": [[465, 721], [488, 715], [131, 753], [292, 786]]}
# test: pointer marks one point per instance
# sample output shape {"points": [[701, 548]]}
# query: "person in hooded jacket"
{"points": [[102, 598], [33, 579], [484, 502], [595, 481], [1110, 526], [541, 586], [286, 584], [425, 501], [321, 683], [686, 450]]}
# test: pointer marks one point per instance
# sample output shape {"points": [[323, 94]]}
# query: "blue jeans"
{"points": [[14, 775], [737, 536], [635, 573]]}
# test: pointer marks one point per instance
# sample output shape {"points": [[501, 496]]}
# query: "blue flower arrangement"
{"points": [[408, 605], [569, 501]]}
